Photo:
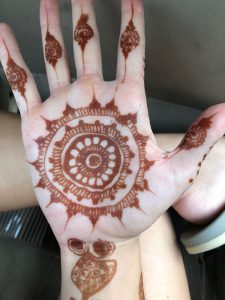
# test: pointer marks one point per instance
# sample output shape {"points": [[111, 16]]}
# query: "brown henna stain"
{"points": [[83, 33], [141, 289], [130, 39], [92, 166], [53, 49], [196, 134], [191, 180], [16, 76], [92, 272]]}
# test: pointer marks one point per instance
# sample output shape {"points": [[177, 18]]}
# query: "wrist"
{"points": [[100, 269]]}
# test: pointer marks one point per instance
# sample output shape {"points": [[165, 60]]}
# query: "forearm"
{"points": [[163, 270], [15, 184], [103, 270]]}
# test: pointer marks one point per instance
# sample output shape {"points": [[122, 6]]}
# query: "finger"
{"points": [[18, 75], [53, 45], [131, 48], [86, 43], [208, 129]]}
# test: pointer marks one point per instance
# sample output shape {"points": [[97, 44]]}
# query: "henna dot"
{"points": [[74, 152], [87, 142], [96, 140], [84, 179], [105, 177], [72, 162], [111, 149], [79, 176], [91, 181], [80, 145], [99, 181], [109, 171], [104, 143], [111, 164], [73, 170]]}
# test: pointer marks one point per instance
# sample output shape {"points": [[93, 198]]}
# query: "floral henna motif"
{"points": [[141, 289], [92, 272], [130, 39], [53, 49], [83, 32], [196, 134], [17, 77], [89, 160]]}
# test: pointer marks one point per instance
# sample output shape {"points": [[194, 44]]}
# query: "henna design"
{"points": [[141, 289], [90, 160], [83, 32], [130, 39], [92, 272], [53, 49], [16, 76], [196, 134]]}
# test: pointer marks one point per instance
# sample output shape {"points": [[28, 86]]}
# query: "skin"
{"points": [[165, 175]]}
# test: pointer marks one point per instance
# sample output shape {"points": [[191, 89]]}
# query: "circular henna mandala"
{"points": [[87, 164]]}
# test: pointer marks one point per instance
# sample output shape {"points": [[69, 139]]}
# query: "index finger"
{"points": [[131, 48]]}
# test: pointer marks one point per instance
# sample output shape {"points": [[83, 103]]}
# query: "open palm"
{"points": [[95, 165]]}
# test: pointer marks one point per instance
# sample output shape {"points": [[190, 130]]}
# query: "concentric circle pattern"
{"points": [[86, 161]]}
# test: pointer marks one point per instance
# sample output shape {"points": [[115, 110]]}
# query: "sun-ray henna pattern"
{"points": [[141, 289], [92, 272], [85, 160], [83, 32], [130, 39]]}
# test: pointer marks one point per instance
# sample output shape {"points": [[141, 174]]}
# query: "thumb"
{"points": [[187, 158]]}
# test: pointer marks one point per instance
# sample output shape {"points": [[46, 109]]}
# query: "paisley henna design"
{"points": [[141, 289], [196, 134], [17, 77], [83, 32], [92, 272], [88, 150], [130, 39], [53, 49]]}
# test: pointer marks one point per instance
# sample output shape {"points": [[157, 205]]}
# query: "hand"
{"points": [[205, 199], [95, 165]]}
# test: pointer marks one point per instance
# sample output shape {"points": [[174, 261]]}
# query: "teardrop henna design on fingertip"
{"points": [[53, 48], [83, 33], [130, 39], [195, 136], [16, 76]]}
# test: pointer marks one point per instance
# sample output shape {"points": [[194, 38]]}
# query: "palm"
{"points": [[93, 159], [97, 171]]}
